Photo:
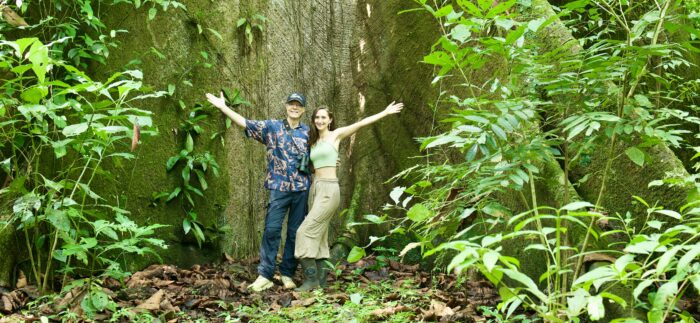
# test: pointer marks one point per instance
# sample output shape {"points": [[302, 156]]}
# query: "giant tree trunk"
{"points": [[354, 56]]}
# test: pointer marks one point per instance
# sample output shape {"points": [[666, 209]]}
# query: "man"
{"points": [[286, 141]]}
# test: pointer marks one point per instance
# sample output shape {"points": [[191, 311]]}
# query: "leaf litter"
{"points": [[206, 291]]}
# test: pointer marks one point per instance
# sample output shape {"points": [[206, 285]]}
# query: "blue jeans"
{"points": [[280, 202]]}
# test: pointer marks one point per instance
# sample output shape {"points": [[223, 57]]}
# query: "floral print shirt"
{"points": [[282, 155]]}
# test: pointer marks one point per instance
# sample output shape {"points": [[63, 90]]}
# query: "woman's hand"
{"points": [[218, 102], [393, 108]]}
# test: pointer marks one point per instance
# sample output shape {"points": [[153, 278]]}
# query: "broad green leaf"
{"points": [[641, 287], [596, 309], [152, 13], [172, 161], [409, 247], [527, 281], [490, 259], [419, 212], [460, 33], [34, 94], [597, 277], [100, 300], [577, 302], [374, 218], [174, 194], [444, 11], [356, 254], [689, 257], [666, 259], [189, 143], [669, 213], [577, 206], [635, 155], [59, 147], [75, 129], [356, 298], [396, 194], [535, 24], [59, 220], [663, 296], [186, 225], [643, 101]]}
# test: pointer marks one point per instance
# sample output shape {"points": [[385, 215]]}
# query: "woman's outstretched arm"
{"points": [[345, 132], [220, 104]]}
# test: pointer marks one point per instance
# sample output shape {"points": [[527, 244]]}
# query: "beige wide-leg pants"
{"points": [[312, 236]]}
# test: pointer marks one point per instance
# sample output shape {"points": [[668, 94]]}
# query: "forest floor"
{"points": [[373, 289]]}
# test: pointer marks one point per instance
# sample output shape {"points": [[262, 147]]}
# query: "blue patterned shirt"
{"points": [[282, 155]]}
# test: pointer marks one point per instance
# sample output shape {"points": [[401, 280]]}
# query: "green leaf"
{"points": [[34, 94], [174, 194], [499, 132], [666, 259], [663, 296], [240, 22], [577, 206], [59, 147], [643, 101], [396, 193], [374, 218], [527, 281], [692, 254], [496, 209], [596, 309], [577, 302], [418, 213], [172, 161], [356, 298], [216, 33], [186, 225], [670, 213], [535, 24], [100, 300], [75, 129], [189, 143], [460, 33], [636, 155], [490, 259], [152, 13], [356, 254], [641, 287], [444, 11]]}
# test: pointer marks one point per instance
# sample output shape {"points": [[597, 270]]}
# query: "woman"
{"points": [[311, 247]]}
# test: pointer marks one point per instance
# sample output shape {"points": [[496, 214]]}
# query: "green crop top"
{"points": [[323, 154]]}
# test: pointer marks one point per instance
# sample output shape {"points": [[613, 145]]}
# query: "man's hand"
{"points": [[219, 102]]}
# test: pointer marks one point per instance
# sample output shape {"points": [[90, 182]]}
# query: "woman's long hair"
{"points": [[313, 132]]}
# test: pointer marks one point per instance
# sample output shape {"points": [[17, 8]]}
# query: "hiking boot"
{"points": [[323, 270], [288, 282], [308, 265], [260, 284]]}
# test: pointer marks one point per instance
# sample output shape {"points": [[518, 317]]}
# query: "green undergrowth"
{"points": [[363, 300]]}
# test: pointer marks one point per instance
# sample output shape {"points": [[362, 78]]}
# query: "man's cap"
{"points": [[296, 96]]}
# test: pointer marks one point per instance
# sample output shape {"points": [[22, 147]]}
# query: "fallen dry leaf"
{"points": [[153, 303], [391, 310], [303, 302], [136, 136], [440, 309], [21, 280]]}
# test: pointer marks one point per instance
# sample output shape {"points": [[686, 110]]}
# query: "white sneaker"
{"points": [[288, 282], [260, 284]]}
